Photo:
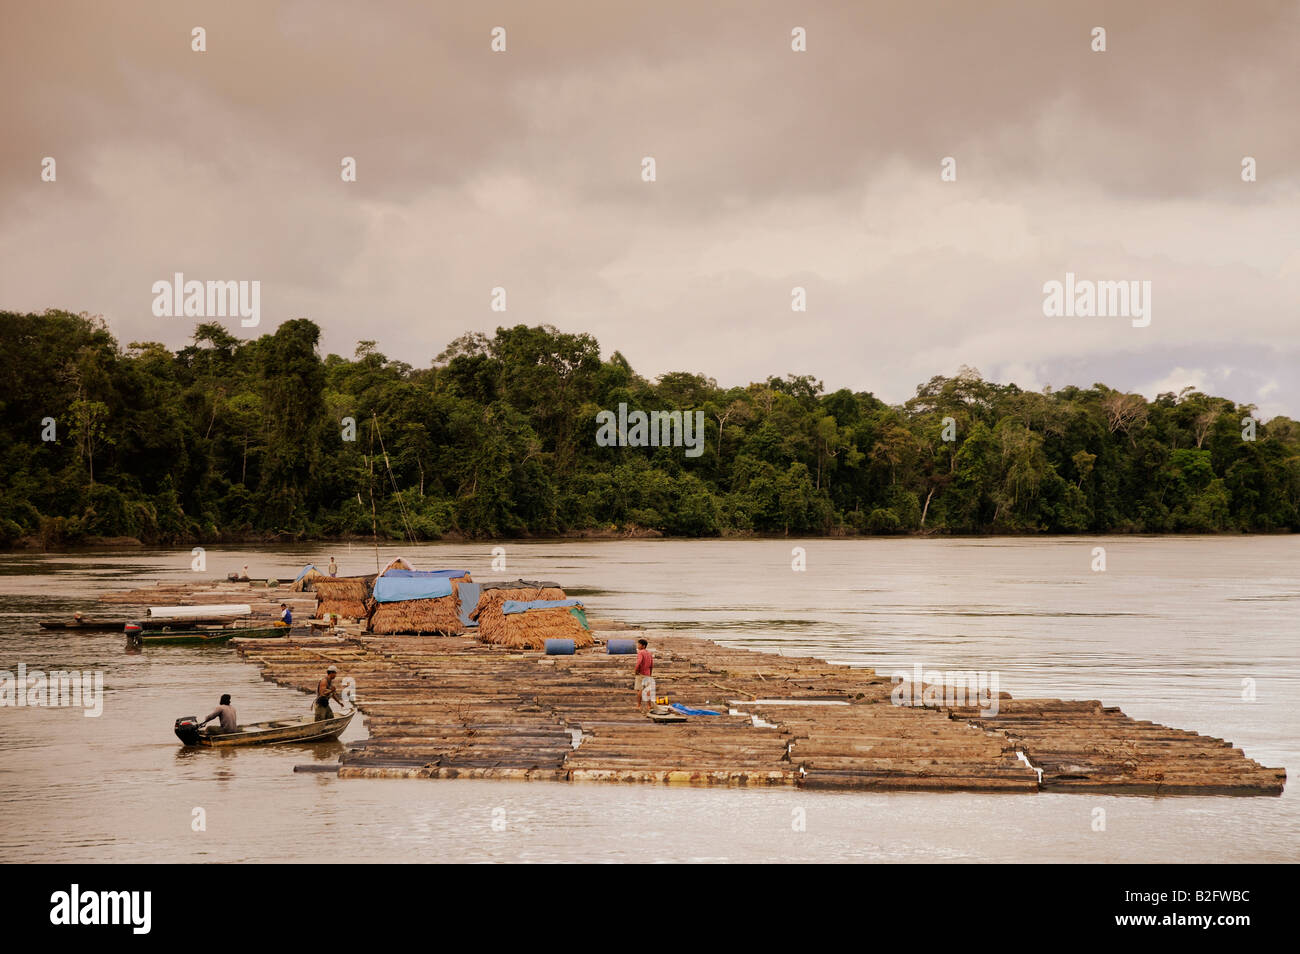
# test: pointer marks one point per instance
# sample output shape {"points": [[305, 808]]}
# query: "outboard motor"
{"points": [[187, 730], [133, 631]]}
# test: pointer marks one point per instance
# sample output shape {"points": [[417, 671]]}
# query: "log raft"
{"points": [[452, 707]]}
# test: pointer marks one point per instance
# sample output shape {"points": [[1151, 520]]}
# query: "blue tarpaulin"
{"points": [[469, 594], [394, 589], [523, 606], [687, 710], [304, 572]]}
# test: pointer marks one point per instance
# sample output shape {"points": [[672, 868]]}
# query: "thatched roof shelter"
{"points": [[488, 613], [348, 596], [528, 625], [397, 604], [306, 579], [343, 596]]}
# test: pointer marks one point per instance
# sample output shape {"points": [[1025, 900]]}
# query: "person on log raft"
{"points": [[645, 666], [325, 691]]}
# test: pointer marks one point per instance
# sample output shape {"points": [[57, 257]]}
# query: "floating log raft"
{"points": [[1088, 747], [453, 707], [263, 600]]}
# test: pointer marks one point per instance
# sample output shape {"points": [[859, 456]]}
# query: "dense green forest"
{"points": [[231, 439]]}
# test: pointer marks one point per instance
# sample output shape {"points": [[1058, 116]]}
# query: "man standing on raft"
{"points": [[645, 665]]}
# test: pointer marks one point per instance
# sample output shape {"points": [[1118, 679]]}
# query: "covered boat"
{"points": [[166, 635]]}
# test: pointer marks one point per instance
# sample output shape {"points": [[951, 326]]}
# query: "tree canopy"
{"points": [[231, 439]]}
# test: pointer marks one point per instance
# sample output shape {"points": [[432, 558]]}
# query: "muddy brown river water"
{"points": [[1201, 633]]}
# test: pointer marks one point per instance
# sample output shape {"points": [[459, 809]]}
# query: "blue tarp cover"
{"points": [[687, 710], [522, 606], [391, 589], [304, 572], [469, 594], [416, 574]]}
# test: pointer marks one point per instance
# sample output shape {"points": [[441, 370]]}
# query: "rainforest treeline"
{"points": [[230, 439]]}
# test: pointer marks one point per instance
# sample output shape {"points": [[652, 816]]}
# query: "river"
{"points": [[1178, 630]]}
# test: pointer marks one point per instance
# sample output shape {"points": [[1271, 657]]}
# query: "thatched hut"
{"points": [[396, 563], [528, 625], [348, 596], [416, 602], [305, 580], [343, 596], [488, 613]]}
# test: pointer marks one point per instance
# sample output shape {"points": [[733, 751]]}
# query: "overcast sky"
{"points": [[775, 168]]}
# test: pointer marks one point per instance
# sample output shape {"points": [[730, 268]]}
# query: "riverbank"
{"points": [[30, 544]]}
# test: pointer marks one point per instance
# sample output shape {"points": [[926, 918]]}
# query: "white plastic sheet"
{"points": [[193, 612]]}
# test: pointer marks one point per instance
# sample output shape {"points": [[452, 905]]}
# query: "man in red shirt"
{"points": [[645, 665]]}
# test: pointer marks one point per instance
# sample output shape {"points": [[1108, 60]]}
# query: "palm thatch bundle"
{"points": [[439, 616], [416, 617], [490, 619], [343, 596], [532, 629], [348, 596]]}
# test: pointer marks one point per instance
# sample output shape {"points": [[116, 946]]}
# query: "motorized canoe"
{"points": [[86, 625], [168, 636], [276, 732], [118, 625]]}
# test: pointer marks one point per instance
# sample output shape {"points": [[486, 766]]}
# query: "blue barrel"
{"points": [[559, 647], [621, 647]]}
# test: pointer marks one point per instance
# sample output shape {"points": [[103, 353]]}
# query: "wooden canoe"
{"points": [[118, 625], [159, 637], [87, 625], [276, 732]]}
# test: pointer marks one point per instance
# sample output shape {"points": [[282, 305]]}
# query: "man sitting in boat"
{"points": [[286, 616], [325, 691], [226, 713]]}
